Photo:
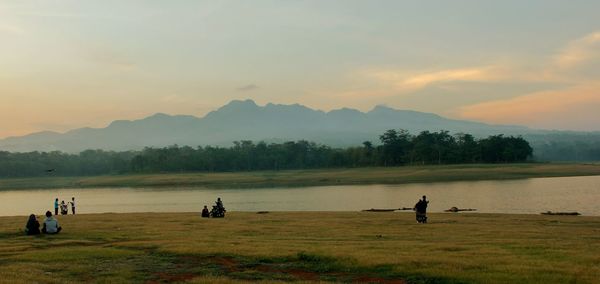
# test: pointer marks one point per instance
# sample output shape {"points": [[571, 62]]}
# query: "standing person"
{"points": [[421, 210], [33, 226], [51, 224], [73, 205], [56, 206]]}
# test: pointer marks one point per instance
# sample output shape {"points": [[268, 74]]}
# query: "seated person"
{"points": [[205, 212], [51, 225], [220, 204], [33, 226], [64, 208]]}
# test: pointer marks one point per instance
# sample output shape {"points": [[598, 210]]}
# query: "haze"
{"points": [[70, 64]]}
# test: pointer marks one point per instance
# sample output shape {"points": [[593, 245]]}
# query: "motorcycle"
{"points": [[217, 212]]}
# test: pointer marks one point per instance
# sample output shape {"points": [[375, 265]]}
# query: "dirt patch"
{"points": [[164, 277], [303, 274], [228, 263], [299, 274], [299, 268]]}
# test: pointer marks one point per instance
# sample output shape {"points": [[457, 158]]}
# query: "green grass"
{"points": [[391, 175], [305, 247]]}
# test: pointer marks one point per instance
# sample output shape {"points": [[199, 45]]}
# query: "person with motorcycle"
{"points": [[218, 210]]}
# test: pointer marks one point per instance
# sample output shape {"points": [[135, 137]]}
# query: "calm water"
{"points": [[580, 194]]}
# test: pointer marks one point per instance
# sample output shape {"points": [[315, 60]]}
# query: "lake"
{"points": [[530, 196]]}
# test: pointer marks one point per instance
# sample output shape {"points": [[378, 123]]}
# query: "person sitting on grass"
{"points": [[33, 226], [51, 225], [205, 212]]}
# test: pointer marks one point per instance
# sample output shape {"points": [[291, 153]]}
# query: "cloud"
{"points": [[404, 81], [554, 69], [541, 109], [247, 88], [579, 51]]}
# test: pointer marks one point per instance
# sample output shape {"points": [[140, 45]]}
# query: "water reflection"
{"points": [[516, 196]]}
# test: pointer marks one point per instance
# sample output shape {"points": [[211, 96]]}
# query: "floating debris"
{"points": [[456, 209], [379, 210], [561, 213]]}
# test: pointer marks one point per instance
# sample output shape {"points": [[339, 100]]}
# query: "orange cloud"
{"points": [[547, 108], [579, 51], [410, 82]]}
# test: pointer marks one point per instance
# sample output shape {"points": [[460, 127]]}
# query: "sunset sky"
{"points": [[70, 64]]}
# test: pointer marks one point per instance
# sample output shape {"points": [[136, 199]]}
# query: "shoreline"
{"points": [[304, 246], [375, 214], [313, 177]]}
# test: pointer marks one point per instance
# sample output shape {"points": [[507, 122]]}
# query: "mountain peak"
{"points": [[241, 103], [159, 115], [382, 109], [244, 119]]}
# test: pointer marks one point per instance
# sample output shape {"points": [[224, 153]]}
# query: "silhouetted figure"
{"points": [[421, 210], [205, 212], [64, 209], [33, 226], [51, 225], [72, 205], [218, 210], [56, 206]]}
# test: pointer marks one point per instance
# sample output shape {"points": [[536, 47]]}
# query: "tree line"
{"points": [[396, 148]]}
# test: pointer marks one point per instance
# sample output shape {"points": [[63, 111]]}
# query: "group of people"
{"points": [[50, 225], [218, 210], [64, 207]]}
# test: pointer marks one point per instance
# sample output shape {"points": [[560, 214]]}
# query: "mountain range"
{"points": [[245, 120]]}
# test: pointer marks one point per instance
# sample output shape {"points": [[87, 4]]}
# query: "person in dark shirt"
{"points": [[421, 210], [72, 205], [33, 226], [205, 212], [218, 210]]}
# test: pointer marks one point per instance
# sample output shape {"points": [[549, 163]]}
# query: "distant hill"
{"points": [[244, 120]]}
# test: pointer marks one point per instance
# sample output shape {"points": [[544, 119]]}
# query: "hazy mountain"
{"points": [[244, 120]]}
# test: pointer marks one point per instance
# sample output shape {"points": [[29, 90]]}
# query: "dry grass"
{"points": [[390, 175], [305, 246]]}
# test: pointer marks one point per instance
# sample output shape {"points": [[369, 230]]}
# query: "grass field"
{"points": [[390, 175], [306, 247]]}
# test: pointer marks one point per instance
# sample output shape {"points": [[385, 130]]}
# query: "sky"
{"points": [[71, 64]]}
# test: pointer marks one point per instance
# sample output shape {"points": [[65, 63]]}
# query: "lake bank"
{"points": [[515, 196], [306, 246], [320, 177]]}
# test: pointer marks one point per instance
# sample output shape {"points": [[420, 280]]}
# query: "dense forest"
{"points": [[396, 148], [578, 147]]}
